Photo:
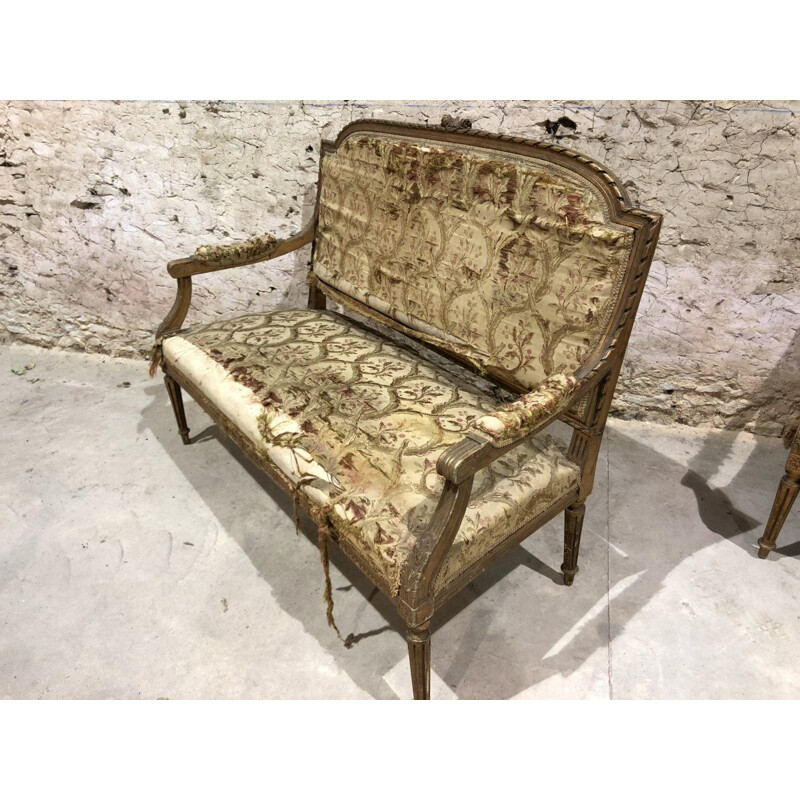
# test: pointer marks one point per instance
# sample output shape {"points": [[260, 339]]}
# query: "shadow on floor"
{"points": [[526, 626], [718, 506]]}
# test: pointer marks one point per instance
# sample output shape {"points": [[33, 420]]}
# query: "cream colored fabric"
{"points": [[357, 422], [510, 262]]}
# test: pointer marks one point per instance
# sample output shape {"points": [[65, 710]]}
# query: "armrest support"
{"points": [[215, 258], [490, 437], [503, 429], [212, 258], [429, 551]]}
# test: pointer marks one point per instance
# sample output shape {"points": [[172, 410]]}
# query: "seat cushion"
{"points": [[357, 421]]}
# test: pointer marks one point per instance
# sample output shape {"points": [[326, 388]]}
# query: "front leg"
{"points": [[788, 489], [176, 398], [419, 656], [573, 524], [419, 575]]}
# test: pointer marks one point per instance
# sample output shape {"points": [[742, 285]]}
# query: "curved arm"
{"points": [[212, 258], [491, 436], [261, 248], [430, 549], [177, 314], [173, 321]]}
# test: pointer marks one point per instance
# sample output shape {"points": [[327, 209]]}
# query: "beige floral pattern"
{"points": [[375, 416], [507, 258]]}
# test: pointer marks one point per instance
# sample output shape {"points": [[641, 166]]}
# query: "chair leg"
{"points": [[176, 398], [419, 655], [784, 499], [573, 523]]}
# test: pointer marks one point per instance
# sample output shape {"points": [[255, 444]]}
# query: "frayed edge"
{"points": [[295, 492], [323, 551], [324, 533], [155, 358]]}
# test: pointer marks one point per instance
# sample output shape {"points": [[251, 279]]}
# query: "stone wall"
{"points": [[95, 197]]}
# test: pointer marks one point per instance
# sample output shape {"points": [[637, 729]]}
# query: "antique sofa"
{"points": [[787, 492], [487, 286]]}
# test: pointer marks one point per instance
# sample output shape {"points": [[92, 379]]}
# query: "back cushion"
{"points": [[509, 259]]}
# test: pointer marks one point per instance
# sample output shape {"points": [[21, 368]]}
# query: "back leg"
{"points": [[573, 523], [419, 656], [176, 398]]}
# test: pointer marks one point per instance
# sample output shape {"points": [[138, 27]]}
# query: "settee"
{"points": [[485, 286]]}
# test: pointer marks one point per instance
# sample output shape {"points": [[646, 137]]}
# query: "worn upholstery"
{"points": [[510, 262], [357, 422], [516, 419], [224, 255]]}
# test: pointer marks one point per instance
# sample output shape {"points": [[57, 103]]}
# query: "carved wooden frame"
{"points": [[419, 593]]}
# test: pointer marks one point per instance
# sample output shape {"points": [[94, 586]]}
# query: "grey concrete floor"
{"points": [[132, 566]]}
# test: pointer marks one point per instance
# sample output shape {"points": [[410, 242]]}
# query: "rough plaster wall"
{"points": [[96, 197]]}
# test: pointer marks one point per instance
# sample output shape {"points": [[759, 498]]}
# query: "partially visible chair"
{"points": [[788, 490]]}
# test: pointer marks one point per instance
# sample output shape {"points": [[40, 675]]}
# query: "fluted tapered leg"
{"points": [[176, 398], [784, 499], [573, 524], [419, 654]]}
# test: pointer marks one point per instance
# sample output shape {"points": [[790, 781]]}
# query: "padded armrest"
{"points": [[210, 258], [493, 434], [240, 252], [515, 420], [223, 256]]}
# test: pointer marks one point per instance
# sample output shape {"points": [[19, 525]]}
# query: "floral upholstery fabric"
{"points": [[357, 422], [510, 261]]}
